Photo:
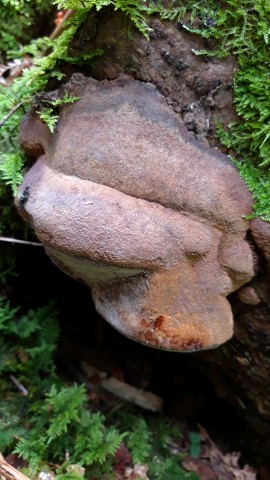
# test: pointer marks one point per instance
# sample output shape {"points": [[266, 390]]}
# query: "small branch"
{"points": [[23, 242], [10, 473], [19, 385], [58, 29], [13, 110]]}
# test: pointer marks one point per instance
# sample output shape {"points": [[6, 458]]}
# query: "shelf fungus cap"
{"points": [[126, 201]]}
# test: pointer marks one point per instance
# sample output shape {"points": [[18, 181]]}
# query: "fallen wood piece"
{"points": [[129, 393], [10, 473], [143, 399]]}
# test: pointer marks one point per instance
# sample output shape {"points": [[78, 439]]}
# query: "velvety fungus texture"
{"points": [[127, 201]]}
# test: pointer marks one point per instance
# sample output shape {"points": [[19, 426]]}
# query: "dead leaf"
{"points": [[199, 466], [122, 459]]}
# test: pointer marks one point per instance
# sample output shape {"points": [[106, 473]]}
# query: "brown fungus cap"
{"points": [[125, 200]]}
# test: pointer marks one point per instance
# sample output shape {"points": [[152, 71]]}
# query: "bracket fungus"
{"points": [[125, 200]]}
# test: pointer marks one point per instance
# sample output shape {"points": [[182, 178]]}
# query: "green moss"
{"points": [[22, 90], [21, 93], [17, 20], [134, 9], [52, 424]]}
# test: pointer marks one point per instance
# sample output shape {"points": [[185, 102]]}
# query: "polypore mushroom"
{"points": [[125, 200]]}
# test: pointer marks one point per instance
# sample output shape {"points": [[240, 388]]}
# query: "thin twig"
{"points": [[19, 385], [13, 110], [58, 29], [23, 242]]}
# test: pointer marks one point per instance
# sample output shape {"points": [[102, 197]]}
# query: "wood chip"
{"points": [[129, 393], [8, 472]]}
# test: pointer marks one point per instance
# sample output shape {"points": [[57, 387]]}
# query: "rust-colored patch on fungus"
{"points": [[159, 322]]}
